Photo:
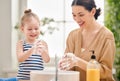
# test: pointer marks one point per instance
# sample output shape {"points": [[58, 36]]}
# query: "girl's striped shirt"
{"points": [[34, 62]]}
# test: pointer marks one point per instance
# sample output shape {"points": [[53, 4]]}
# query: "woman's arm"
{"points": [[107, 59]]}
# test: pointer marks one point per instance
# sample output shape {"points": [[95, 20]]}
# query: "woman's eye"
{"points": [[74, 15], [29, 29], [81, 15]]}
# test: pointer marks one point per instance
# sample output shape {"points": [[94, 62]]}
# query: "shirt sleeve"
{"points": [[107, 58], [70, 46]]}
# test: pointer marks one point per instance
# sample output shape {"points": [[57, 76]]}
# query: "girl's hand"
{"points": [[42, 49]]}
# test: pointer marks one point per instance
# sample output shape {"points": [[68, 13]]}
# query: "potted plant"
{"points": [[112, 21]]}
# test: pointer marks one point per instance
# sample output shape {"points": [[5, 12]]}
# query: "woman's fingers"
{"points": [[65, 63]]}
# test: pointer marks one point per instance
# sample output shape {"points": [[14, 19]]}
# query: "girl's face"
{"points": [[82, 16], [31, 29]]}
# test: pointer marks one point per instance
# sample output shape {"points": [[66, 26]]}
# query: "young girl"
{"points": [[31, 52]]}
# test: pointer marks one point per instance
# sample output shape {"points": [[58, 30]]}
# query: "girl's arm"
{"points": [[22, 56]]}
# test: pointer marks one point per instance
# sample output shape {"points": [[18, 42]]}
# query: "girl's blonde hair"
{"points": [[27, 15]]}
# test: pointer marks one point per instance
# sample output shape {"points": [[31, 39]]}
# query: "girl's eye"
{"points": [[36, 28]]}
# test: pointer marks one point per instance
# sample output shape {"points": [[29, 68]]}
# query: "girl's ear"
{"points": [[21, 28], [93, 11]]}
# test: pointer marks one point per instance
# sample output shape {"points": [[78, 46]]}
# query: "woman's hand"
{"points": [[68, 61]]}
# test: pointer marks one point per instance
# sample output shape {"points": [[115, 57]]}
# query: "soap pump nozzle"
{"points": [[93, 55]]}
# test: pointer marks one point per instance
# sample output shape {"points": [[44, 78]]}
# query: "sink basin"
{"points": [[47, 75]]}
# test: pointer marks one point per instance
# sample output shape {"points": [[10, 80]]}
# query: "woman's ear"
{"points": [[93, 11]]}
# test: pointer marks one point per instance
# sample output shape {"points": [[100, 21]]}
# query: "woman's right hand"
{"points": [[68, 61], [63, 64]]}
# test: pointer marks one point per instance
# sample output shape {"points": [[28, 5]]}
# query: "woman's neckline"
{"points": [[84, 49]]}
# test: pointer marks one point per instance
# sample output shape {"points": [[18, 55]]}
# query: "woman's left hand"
{"points": [[68, 61]]}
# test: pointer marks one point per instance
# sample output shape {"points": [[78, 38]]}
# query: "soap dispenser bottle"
{"points": [[93, 69]]}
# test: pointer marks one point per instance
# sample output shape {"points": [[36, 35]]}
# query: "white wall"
{"points": [[5, 34], [10, 13], [18, 7]]}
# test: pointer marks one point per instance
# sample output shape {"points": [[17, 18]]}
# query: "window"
{"points": [[60, 11]]}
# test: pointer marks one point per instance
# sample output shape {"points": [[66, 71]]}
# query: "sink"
{"points": [[47, 75]]}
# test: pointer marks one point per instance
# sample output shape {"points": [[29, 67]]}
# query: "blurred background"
{"points": [[56, 23]]}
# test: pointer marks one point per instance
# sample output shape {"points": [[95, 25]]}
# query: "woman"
{"points": [[90, 36]]}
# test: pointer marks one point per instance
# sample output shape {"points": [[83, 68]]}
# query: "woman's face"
{"points": [[31, 29], [82, 16]]}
